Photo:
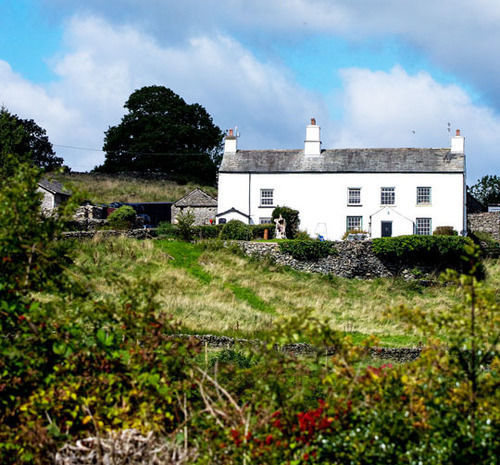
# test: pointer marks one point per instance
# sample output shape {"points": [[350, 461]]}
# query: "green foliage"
{"points": [[234, 357], [27, 140], [303, 236], [122, 218], [487, 189], [185, 225], [257, 230], [236, 230], [311, 250], [353, 231], [167, 230], [445, 231], [208, 231], [161, 133], [440, 252], [292, 220]]}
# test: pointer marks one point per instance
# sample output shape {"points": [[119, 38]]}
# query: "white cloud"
{"points": [[105, 63], [397, 109]]}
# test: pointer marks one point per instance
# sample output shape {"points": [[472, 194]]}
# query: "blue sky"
{"points": [[374, 74]]}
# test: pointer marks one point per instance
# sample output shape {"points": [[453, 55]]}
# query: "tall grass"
{"points": [[216, 291], [100, 188]]}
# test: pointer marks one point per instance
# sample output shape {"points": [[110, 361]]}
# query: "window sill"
{"points": [[354, 205], [267, 206], [387, 204], [423, 205]]}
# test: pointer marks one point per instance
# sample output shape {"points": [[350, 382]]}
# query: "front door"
{"points": [[386, 228]]}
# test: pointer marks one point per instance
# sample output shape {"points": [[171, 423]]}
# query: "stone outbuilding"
{"points": [[54, 194], [202, 205]]}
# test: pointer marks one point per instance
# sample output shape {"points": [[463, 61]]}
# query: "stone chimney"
{"points": [[457, 143], [230, 142], [312, 144]]}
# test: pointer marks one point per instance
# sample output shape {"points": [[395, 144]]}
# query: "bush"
{"points": [[166, 230], [303, 236], [122, 218], [440, 252], [236, 230], [208, 231], [185, 225], [353, 231], [292, 220], [258, 230], [308, 250], [445, 231]]}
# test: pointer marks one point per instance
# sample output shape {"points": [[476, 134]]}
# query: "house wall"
{"points": [[202, 215], [321, 199], [47, 199]]}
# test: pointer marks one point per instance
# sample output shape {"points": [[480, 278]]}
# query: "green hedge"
{"points": [[258, 230], [236, 230], [439, 251], [308, 250]]}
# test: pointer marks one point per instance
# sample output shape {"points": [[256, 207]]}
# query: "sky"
{"points": [[374, 73]]}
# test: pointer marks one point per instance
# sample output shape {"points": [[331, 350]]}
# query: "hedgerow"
{"points": [[236, 230], [440, 252]]}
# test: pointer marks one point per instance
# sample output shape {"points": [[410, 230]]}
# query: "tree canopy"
{"points": [[27, 140], [487, 189], [163, 134]]}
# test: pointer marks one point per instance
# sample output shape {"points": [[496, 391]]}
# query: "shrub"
{"points": [[236, 230], [353, 231], [185, 225], [166, 230], [445, 231], [208, 231], [308, 250], [292, 220], [122, 218], [437, 251], [258, 230]]}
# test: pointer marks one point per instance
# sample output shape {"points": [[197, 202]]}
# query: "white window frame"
{"points": [[267, 197], [424, 195], [265, 220], [357, 226], [354, 199], [387, 196], [423, 226]]}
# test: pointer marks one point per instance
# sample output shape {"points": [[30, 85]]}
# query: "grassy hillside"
{"points": [[215, 291], [100, 188]]}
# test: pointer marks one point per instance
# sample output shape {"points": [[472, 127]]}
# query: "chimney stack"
{"points": [[230, 142], [457, 143], [312, 144]]}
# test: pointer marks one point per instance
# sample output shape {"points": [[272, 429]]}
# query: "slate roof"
{"points": [[196, 198], [391, 160], [53, 187], [232, 210]]}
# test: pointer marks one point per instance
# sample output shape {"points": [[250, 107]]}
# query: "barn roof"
{"points": [[378, 160], [53, 187], [196, 198]]}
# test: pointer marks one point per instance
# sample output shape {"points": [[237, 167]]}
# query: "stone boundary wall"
{"points": [[355, 259], [131, 233], [488, 222], [397, 354]]}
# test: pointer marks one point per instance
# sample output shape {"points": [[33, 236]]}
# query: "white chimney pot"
{"points": [[312, 144]]}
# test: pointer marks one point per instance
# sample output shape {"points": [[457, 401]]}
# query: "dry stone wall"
{"points": [[488, 222], [355, 259]]}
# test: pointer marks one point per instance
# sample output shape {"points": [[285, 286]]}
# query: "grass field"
{"points": [[100, 188], [211, 290]]}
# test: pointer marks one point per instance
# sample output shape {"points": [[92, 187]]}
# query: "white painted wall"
{"points": [[321, 199]]}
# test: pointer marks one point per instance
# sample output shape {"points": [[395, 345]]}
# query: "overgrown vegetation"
{"points": [[292, 219], [102, 188], [122, 218], [236, 230]]}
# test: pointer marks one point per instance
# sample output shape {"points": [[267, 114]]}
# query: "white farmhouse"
{"points": [[386, 192]]}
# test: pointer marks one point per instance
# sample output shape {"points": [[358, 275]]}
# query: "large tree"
{"points": [[28, 140], [161, 133], [487, 189]]}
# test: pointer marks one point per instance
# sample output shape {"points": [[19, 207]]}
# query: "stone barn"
{"points": [[53, 193], [202, 205]]}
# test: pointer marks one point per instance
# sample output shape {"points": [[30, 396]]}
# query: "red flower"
{"points": [[269, 439]]}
